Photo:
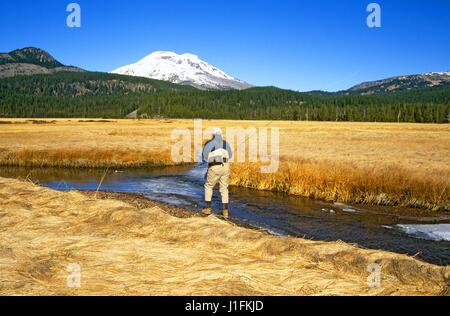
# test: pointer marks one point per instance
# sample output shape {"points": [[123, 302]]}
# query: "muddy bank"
{"points": [[140, 201]]}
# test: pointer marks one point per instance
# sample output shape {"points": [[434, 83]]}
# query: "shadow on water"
{"points": [[274, 212]]}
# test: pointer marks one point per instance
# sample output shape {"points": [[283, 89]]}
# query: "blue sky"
{"points": [[300, 45]]}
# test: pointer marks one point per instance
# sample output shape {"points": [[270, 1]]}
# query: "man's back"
{"points": [[217, 150]]}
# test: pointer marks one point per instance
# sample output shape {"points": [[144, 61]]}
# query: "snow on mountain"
{"points": [[184, 69], [438, 73]]}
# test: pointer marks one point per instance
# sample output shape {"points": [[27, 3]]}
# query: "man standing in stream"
{"points": [[217, 153]]}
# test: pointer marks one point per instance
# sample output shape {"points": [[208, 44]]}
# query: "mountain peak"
{"points": [[30, 50], [186, 69], [164, 54], [30, 55], [30, 61]]}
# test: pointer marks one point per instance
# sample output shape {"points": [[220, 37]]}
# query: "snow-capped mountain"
{"points": [[184, 69]]}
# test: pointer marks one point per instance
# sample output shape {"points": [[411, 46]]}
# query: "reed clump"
{"points": [[85, 158], [333, 181], [123, 250]]}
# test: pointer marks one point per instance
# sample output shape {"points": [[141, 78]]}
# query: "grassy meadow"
{"points": [[374, 163]]}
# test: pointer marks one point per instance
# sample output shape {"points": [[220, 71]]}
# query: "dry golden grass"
{"points": [[87, 144], [126, 251], [379, 163], [86, 158], [332, 181]]}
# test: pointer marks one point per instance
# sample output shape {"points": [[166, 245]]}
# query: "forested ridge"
{"points": [[269, 103], [30, 55], [95, 95]]}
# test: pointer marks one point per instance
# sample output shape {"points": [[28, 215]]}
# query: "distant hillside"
{"points": [[97, 95], [72, 84], [71, 94], [391, 85], [403, 83], [30, 61], [30, 55]]}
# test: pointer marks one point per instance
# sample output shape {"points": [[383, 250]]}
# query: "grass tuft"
{"points": [[332, 181]]}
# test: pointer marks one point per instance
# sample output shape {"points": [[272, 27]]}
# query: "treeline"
{"points": [[98, 95], [427, 106], [23, 106], [76, 84]]}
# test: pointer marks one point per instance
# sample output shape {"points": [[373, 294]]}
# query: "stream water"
{"points": [[279, 214]]}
